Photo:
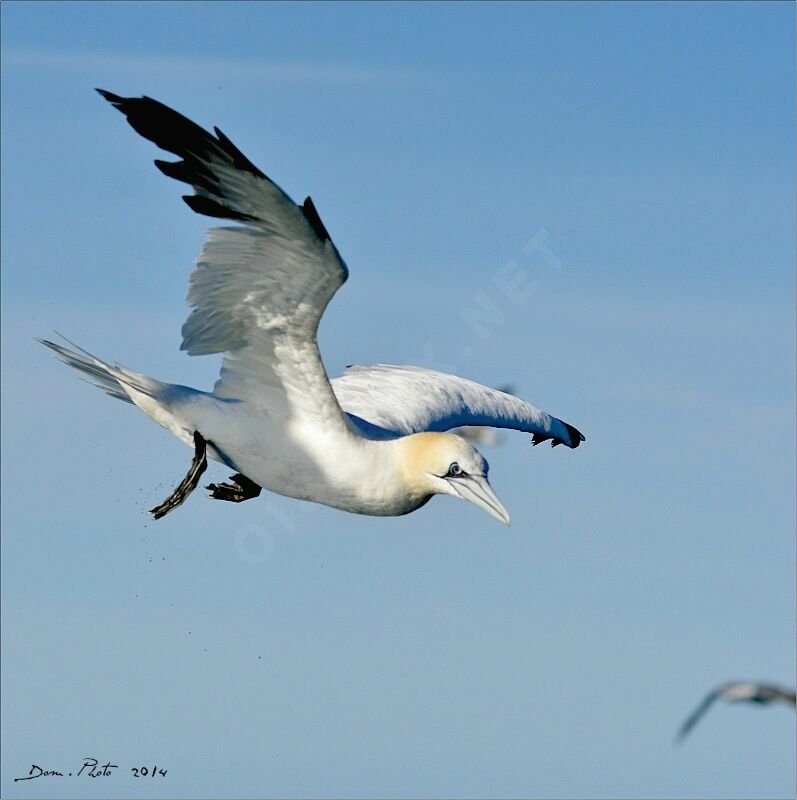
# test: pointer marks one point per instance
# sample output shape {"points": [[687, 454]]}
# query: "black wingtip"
{"points": [[309, 211], [173, 169], [210, 208], [576, 437], [110, 96], [202, 154]]}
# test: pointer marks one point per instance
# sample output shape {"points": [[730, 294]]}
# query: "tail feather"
{"points": [[116, 380], [156, 399], [99, 373]]}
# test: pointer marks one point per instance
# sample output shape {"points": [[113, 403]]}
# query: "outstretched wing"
{"points": [[259, 289], [787, 695], [402, 400], [698, 713]]}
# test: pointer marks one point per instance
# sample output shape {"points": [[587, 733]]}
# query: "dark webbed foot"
{"points": [[189, 482], [239, 490]]}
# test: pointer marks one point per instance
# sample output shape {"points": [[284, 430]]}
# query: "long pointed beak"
{"points": [[477, 490]]}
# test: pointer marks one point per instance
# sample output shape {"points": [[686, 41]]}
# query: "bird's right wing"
{"points": [[259, 289], [404, 400], [787, 695]]}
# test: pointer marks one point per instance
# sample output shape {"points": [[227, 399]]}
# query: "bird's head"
{"points": [[443, 463]]}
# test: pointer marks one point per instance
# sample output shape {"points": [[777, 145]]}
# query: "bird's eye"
{"points": [[454, 471]]}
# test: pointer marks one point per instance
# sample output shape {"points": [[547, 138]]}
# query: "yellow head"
{"points": [[443, 463]]}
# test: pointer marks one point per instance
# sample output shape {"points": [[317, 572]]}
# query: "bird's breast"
{"points": [[302, 460]]}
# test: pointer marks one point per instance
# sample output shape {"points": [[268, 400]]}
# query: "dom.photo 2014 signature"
{"points": [[91, 768]]}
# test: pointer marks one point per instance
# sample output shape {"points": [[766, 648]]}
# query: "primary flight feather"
{"points": [[374, 440]]}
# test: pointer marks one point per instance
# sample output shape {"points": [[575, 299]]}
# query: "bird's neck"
{"points": [[391, 471], [414, 454]]}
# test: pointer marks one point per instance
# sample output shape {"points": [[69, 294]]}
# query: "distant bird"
{"points": [[737, 692], [478, 434], [369, 442]]}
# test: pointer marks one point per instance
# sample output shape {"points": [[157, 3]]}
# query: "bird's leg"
{"points": [[239, 490], [198, 465]]}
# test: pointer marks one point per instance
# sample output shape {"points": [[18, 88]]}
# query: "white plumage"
{"points": [[405, 400], [372, 441]]}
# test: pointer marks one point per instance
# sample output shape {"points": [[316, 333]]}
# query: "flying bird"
{"points": [[737, 692], [373, 441]]}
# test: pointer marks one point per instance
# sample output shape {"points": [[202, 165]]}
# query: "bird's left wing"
{"points": [[259, 289], [403, 400]]}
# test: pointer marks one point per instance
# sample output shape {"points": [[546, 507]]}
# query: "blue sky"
{"points": [[635, 162]]}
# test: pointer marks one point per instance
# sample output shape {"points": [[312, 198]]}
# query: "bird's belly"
{"points": [[315, 465], [301, 477], [285, 462], [303, 480], [277, 465]]}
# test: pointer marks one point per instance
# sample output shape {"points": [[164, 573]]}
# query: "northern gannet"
{"points": [[372, 441], [737, 692]]}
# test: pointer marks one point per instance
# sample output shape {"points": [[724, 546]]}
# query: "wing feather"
{"points": [[404, 400], [699, 712], [259, 289]]}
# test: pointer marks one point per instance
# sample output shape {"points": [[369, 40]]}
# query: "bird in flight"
{"points": [[737, 692], [373, 441]]}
